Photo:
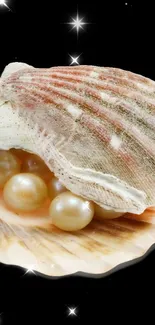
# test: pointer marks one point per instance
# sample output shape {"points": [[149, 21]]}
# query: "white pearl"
{"points": [[55, 187], [101, 213], [70, 212], [9, 166], [25, 192]]}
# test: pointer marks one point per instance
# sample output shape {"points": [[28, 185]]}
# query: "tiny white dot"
{"points": [[74, 111], [115, 142]]}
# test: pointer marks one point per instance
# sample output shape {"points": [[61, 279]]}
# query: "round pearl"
{"points": [[25, 192], [101, 213], [35, 165], [70, 212], [55, 187], [9, 166]]}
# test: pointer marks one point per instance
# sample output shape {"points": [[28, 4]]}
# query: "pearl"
{"points": [[101, 213], [35, 165], [25, 192], [55, 187], [9, 166], [70, 212]]}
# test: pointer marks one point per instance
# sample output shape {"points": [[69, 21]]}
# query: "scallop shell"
{"points": [[94, 128]]}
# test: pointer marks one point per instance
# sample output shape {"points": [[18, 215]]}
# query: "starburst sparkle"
{"points": [[75, 60], [30, 269], [77, 23], [72, 311]]}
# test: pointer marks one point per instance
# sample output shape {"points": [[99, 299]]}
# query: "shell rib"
{"points": [[94, 127]]}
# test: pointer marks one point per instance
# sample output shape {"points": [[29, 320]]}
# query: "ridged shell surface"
{"points": [[97, 249], [93, 126]]}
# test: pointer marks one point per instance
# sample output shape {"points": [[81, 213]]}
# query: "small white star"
{"points": [[127, 4], [74, 59], [30, 269], [72, 311]]}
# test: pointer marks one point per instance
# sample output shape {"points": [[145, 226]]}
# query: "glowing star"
{"points": [[74, 59], [127, 4], [2, 3], [72, 312], [77, 23]]}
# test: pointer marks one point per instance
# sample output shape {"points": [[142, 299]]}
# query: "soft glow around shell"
{"points": [[102, 214], [25, 192], [55, 187], [70, 212], [35, 165], [9, 166]]}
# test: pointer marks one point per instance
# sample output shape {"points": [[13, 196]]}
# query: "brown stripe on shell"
{"points": [[87, 105], [123, 107], [114, 72], [80, 76], [46, 100], [112, 87], [99, 110]]}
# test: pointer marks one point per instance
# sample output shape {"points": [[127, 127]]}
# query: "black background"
{"points": [[120, 36]]}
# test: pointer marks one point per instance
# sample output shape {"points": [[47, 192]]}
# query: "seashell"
{"points": [[94, 129]]}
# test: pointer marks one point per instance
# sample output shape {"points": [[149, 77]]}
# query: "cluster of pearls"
{"points": [[27, 183]]}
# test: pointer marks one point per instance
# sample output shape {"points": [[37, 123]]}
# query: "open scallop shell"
{"points": [[62, 114]]}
